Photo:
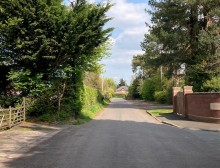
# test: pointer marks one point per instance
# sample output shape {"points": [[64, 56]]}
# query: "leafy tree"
{"points": [[109, 87], [47, 47], [122, 82], [30, 37], [134, 89], [183, 38], [213, 85], [93, 80]]}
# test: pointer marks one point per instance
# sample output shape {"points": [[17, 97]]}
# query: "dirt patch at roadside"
{"points": [[18, 140]]}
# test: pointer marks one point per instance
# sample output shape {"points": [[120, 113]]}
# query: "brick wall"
{"points": [[197, 106], [180, 104]]}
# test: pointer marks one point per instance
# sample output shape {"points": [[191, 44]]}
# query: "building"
{"points": [[122, 90]]}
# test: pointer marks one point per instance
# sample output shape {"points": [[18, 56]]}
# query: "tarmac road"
{"points": [[123, 136]]}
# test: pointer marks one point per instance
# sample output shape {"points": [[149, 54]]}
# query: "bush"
{"points": [[120, 96], [148, 90], [92, 96], [61, 116], [133, 90], [212, 85], [161, 96], [45, 109], [42, 105], [169, 98], [93, 102]]}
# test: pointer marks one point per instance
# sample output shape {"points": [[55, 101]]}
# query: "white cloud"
{"points": [[127, 15], [129, 23], [129, 20]]}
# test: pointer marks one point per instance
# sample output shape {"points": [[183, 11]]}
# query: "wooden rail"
{"points": [[12, 116]]}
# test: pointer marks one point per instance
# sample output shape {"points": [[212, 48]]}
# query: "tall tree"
{"points": [[29, 32], [122, 82], [45, 45], [184, 34]]}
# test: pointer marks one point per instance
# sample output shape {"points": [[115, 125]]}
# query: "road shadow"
{"points": [[173, 116], [38, 128], [120, 144], [137, 104]]}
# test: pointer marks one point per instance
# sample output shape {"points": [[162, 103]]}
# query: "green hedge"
{"points": [[93, 102], [45, 109], [92, 96], [160, 96]]}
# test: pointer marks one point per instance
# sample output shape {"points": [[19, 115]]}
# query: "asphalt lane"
{"points": [[123, 136]]}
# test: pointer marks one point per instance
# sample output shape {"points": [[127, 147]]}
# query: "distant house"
{"points": [[122, 90]]}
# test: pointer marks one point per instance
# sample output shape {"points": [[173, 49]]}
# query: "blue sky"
{"points": [[129, 19]]}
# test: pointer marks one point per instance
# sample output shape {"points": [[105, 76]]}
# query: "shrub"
{"points": [[133, 90], [44, 108], [169, 97], [92, 96], [212, 85], [148, 90], [42, 105], [161, 96]]}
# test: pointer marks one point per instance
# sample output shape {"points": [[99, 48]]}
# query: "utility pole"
{"points": [[161, 74], [102, 83]]}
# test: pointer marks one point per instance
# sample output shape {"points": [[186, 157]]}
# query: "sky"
{"points": [[129, 18]]}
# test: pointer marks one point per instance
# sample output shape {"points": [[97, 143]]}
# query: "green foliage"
{"points": [[148, 90], [151, 85], [213, 85], [160, 96], [157, 112], [184, 39], [92, 96], [169, 95], [46, 48], [26, 83], [153, 89], [42, 105], [92, 79], [120, 96], [133, 90], [93, 103], [109, 87], [59, 117], [122, 82], [90, 112]]}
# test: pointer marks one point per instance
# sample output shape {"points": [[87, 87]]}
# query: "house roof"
{"points": [[125, 88]]}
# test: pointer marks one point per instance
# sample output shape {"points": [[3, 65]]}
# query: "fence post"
{"points": [[176, 90], [186, 90], [24, 106], [9, 122]]}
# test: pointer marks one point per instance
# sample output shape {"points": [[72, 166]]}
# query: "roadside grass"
{"points": [[157, 112], [89, 112], [119, 96]]}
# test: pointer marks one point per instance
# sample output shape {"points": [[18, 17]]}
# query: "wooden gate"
{"points": [[12, 116]]}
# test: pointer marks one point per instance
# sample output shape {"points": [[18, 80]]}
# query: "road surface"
{"points": [[123, 136]]}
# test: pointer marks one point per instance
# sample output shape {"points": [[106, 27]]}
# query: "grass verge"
{"points": [[157, 112], [88, 113], [120, 96]]}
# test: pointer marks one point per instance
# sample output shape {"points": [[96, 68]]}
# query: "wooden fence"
{"points": [[12, 116]]}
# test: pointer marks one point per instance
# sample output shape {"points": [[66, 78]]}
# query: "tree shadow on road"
{"points": [[120, 144]]}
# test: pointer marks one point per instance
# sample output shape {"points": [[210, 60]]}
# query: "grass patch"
{"points": [[88, 113], [119, 96], [157, 112]]}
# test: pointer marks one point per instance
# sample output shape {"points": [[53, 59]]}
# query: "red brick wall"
{"points": [[198, 106], [176, 91], [180, 104]]}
